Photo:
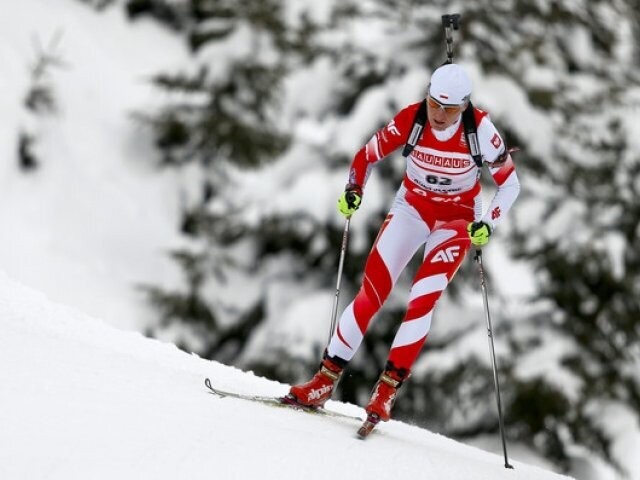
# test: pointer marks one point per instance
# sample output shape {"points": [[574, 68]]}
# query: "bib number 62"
{"points": [[435, 180]]}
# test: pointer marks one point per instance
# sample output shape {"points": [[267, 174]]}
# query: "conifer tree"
{"points": [[231, 119]]}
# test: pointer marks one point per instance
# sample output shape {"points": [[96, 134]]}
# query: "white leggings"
{"points": [[403, 232]]}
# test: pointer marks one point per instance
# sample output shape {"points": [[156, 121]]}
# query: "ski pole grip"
{"points": [[451, 20]]}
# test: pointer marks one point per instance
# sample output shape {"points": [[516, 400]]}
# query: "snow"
{"points": [[85, 400], [503, 98], [85, 227]]}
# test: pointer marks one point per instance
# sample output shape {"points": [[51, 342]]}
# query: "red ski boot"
{"points": [[318, 390], [384, 395]]}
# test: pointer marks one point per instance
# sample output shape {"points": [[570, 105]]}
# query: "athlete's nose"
{"points": [[439, 115]]}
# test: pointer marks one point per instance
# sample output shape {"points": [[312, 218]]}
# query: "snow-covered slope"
{"points": [[82, 400]]}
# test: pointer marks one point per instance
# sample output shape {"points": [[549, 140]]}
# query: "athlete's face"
{"points": [[442, 116]]}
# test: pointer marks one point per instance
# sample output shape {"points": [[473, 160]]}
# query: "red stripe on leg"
{"points": [[420, 306], [375, 289], [405, 356], [377, 277], [342, 338]]}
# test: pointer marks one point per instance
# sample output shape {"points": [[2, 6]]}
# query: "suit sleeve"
{"points": [[384, 142], [502, 169]]}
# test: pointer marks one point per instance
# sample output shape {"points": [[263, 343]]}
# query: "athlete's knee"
{"points": [[447, 254]]}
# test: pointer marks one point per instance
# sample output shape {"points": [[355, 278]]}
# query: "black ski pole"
{"points": [[450, 22], [483, 286], [343, 250]]}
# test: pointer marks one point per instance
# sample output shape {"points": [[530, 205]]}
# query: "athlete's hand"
{"points": [[479, 233], [350, 200]]}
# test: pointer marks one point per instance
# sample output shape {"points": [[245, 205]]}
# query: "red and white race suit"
{"points": [[439, 196]]}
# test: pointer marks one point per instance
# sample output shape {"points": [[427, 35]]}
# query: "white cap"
{"points": [[450, 85]]}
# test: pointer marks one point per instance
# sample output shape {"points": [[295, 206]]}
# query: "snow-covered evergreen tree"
{"points": [[282, 94]]}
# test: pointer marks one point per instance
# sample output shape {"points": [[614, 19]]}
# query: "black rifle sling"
{"points": [[419, 122], [470, 132]]}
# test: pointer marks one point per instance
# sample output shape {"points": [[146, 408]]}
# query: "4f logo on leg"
{"points": [[447, 255]]}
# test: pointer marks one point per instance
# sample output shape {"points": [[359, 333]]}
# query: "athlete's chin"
{"points": [[439, 126]]}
